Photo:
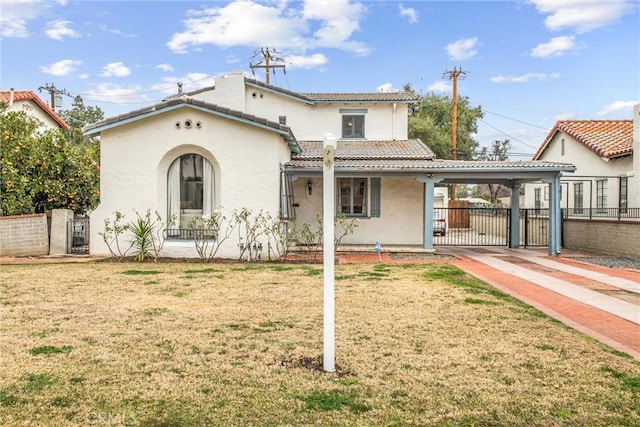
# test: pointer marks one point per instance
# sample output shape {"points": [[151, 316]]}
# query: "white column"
{"points": [[429, 184], [328, 251], [554, 217], [514, 241]]}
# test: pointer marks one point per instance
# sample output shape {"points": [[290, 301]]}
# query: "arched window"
{"points": [[189, 188]]}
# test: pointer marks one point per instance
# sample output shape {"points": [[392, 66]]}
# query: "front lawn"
{"points": [[175, 344]]}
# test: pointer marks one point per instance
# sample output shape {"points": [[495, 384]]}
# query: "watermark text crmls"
{"points": [[109, 418]]}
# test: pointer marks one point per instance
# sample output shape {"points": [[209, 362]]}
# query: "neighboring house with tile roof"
{"points": [[28, 101], [246, 144], [603, 153]]}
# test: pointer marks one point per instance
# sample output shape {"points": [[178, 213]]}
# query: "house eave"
{"points": [[278, 91], [448, 174], [175, 104]]}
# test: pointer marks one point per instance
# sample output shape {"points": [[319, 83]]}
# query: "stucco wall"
{"points": [[634, 179], [24, 235], [308, 122], [401, 212], [311, 122], [135, 159], [32, 109], [603, 237]]}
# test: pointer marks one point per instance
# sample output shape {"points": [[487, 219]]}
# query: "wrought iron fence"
{"points": [[189, 234], [602, 213], [490, 227]]}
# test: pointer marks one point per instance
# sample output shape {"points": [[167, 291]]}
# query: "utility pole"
{"points": [[56, 94], [266, 62], [454, 75]]}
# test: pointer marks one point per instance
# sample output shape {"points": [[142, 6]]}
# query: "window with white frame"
{"points": [[189, 188], [358, 197], [601, 194]]}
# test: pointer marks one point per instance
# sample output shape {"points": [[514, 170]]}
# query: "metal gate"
{"points": [[78, 232], [491, 227]]}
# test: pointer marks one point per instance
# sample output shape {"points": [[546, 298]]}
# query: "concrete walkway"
{"points": [[601, 302]]}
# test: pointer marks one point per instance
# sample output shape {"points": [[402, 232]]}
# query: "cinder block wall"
{"points": [[603, 237], [24, 235]]}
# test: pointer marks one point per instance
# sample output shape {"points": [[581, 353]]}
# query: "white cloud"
{"points": [[440, 86], [310, 61], [165, 67], [232, 59], [410, 13], [15, 16], [462, 49], [386, 87], [61, 68], [248, 23], [557, 46], [116, 94], [338, 20], [115, 31], [57, 30], [83, 76], [525, 78], [618, 107], [581, 15], [115, 69], [567, 115]]}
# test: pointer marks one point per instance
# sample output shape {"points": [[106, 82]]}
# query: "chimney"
{"points": [[11, 98]]}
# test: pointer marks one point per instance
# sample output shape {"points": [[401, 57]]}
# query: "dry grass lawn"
{"points": [[176, 344]]}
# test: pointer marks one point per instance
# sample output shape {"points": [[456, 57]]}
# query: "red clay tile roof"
{"points": [[606, 138], [27, 95]]}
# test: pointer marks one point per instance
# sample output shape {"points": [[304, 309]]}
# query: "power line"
{"points": [[265, 62], [142, 93], [56, 94], [506, 134], [516, 120], [454, 75]]}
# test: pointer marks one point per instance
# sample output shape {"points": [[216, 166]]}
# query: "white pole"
{"points": [[328, 213]]}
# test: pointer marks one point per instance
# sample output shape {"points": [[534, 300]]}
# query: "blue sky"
{"points": [[529, 63]]}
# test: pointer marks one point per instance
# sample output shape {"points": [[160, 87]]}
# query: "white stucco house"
{"points": [[607, 171], [246, 144], [29, 102]]}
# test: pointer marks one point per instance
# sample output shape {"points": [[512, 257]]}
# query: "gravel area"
{"points": [[612, 262]]}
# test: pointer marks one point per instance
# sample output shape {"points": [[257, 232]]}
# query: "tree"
{"points": [[497, 152], [16, 140], [41, 170], [78, 116], [430, 120], [463, 191]]}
